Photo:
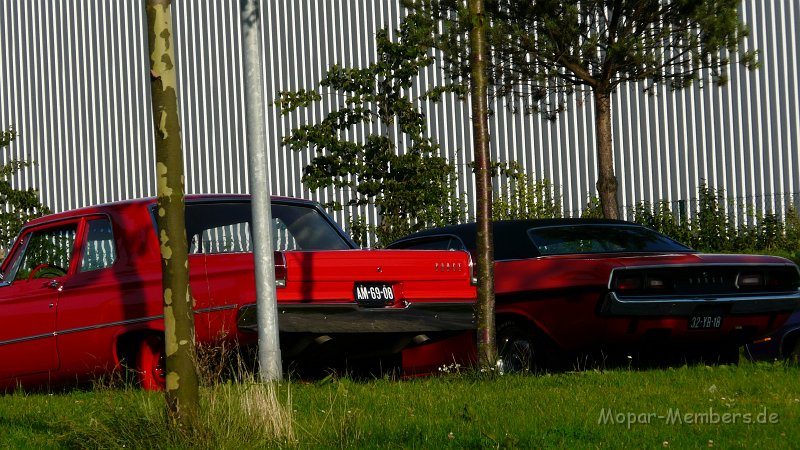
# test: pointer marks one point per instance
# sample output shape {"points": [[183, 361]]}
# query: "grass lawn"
{"points": [[750, 405]]}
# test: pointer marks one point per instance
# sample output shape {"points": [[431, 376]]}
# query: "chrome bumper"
{"points": [[351, 318], [685, 306]]}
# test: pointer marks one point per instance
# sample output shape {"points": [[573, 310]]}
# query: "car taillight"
{"points": [[630, 283], [642, 283], [750, 280], [655, 282], [280, 269]]}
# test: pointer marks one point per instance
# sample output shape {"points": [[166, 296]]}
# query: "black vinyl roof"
{"points": [[510, 236]]}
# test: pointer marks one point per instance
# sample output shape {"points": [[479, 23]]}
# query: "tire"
{"points": [[516, 348], [151, 364]]}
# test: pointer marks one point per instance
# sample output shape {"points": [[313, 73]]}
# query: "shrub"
{"points": [[523, 197]]}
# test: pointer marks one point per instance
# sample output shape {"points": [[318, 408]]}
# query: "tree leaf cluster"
{"points": [[545, 50], [19, 205], [705, 223], [374, 145], [522, 196]]}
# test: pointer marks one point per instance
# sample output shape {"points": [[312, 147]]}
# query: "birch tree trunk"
{"points": [[182, 390]]}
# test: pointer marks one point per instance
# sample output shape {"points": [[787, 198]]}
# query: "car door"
{"points": [[32, 276], [90, 301]]}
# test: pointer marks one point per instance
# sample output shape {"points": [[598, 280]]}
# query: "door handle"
{"points": [[54, 284]]}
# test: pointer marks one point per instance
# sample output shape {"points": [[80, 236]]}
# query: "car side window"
{"points": [[99, 250], [230, 238], [282, 239], [47, 254]]}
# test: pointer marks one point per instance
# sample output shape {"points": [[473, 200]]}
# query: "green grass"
{"points": [[641, 409]]}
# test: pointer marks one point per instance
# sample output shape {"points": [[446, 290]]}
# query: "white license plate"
{"points": [[373, 294]]}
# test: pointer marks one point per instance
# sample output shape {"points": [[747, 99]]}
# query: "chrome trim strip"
{"points": [[216, 308], [27, 338], [683, 306], [698, 265], [111, 324]]}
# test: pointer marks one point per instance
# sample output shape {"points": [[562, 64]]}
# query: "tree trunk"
{"points": [[182, 391], [487, 346], [607, 181]]}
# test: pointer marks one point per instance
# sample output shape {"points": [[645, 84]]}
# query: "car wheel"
{"points": [[516, 348], [151, 364]]}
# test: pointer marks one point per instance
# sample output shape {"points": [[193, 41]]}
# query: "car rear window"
{"points": [[444, 242], [225, 227], [601, 238]]}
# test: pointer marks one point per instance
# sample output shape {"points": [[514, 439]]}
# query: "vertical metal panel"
{"points": [[74, 82]]}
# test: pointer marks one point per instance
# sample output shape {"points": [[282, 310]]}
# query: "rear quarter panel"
{"points": [[559, 295]]}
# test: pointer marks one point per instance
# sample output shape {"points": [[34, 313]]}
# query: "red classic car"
{"points": [[569, 285], [81, 291]]}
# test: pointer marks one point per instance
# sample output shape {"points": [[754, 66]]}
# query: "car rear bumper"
{"points": [[685, 306], [351, 318]]}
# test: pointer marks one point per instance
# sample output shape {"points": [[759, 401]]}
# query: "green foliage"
{"points": [[20, 205], [523, 197], [593, 209], [395, 166], [545, 50], [452, 209], [660, 217], [712, 229]]}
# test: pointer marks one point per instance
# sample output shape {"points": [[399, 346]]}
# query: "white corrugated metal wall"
{"points": [[74, 83]]}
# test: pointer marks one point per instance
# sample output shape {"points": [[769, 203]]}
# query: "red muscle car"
{"points": [[80, 294], [565, 286]]}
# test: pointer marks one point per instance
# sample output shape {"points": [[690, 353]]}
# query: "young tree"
{"points": [[394, 165], [487, 343], [20, 206], [544, 50], [182, 389]]}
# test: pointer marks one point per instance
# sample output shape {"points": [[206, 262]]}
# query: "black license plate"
{"points": [[373, 294], [705, 322]]}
